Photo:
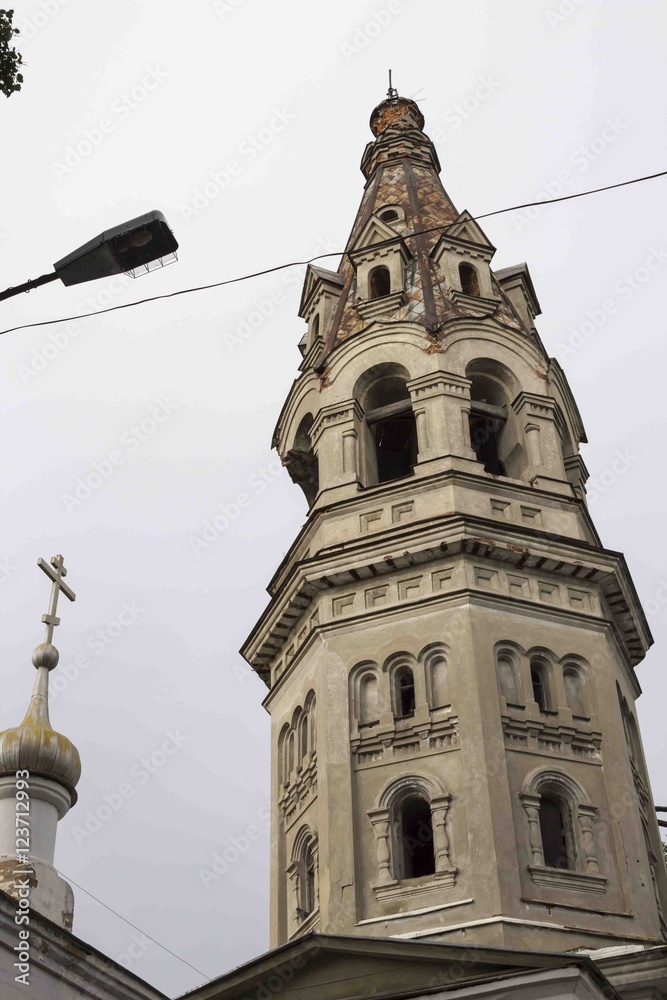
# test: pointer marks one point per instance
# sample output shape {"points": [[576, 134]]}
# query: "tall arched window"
{"points": [[390, 440], [368, 699], [508, 678], [415, 838], [303, 736], [497, 448], [404, 681], [552, 830], [539, 674], [290, 753], [379, 282], [469, 279], [574, 690], [301, 461], [308, 898]]}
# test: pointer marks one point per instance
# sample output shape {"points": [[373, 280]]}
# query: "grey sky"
{"points": [[244, 122]]}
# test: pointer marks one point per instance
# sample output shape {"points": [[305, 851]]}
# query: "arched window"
{"points": [[539, 678], [390, 437], [379, 282], [369, 711], [552, 830], [574, 690], [405, 692], [315, 328], [290, 754], [389, 215], [303, 735], [438, 681], [283, 753], [308, 899], [495, 445], [416, 856], [469, 279], [301, 461], [508, 678]]}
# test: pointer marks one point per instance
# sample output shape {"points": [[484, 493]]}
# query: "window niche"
{"points": [[573, 682], [561, 833], [412, 842], [509, 679], [469, 279], [304, 878], [379, 282]]}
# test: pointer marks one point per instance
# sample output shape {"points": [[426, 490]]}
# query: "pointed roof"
{"points": [[402, 170]]}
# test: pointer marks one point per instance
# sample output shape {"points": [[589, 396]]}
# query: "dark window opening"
{"points": [[389, 215], [552, 828], [309, 880], [484, 434], [405, 701], [416, 832], [379, 283], [469, 279], [539, 694], [396, 446]]}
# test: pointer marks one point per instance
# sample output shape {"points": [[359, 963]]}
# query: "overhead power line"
{"points": [[134, 926], [322, 256]]}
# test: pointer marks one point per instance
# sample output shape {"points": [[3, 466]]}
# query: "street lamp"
{"points": [[136, 247]]}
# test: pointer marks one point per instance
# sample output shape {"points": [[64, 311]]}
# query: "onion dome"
{"points": [[34, 745], [396, 112]]}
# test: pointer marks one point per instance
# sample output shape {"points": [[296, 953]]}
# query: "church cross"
{"points": [[55, 571]]}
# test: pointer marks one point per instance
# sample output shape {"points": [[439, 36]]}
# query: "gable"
{"points": [[375, 231], [466, 228]]}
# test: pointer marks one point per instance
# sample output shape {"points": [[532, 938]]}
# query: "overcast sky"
{"points": [[244, 122]]}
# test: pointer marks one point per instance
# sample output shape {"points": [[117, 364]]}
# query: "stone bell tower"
{"points": [[449, 650]]}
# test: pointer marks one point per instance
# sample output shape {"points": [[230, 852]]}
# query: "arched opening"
{"points": [[438, 681], [538, 678], [389, 215], [379, 282], [415, 831], [290, 755], [303, 735], [405, 693], [508, 680], [392, 426], [369, 711], [574, 690], [315, 328], [308, 901], [553, 831], [493, 430], [301, 462], [469, 279]]}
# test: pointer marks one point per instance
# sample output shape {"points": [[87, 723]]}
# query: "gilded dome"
{"points": [[34, 745]]}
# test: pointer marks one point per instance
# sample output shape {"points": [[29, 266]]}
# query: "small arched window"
{"points": [[389, 215], [379, 282], [574, 690], [369, 711], [469, 279], [315, 329], [554, 838], [308, 896], [303, 735], [538, 677], [290, 754], [507, 677], [415, 833], [405, 693]]}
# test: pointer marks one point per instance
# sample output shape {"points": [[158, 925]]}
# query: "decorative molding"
{"points": [[563, 878]]}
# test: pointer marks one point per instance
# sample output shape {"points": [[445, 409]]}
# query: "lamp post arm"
{"points": [[28, 285]]}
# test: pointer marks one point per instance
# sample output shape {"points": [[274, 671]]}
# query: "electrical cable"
{"points": [[130, 924], [335, 253]]}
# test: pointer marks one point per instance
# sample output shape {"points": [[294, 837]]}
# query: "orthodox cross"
{"points": [[55, 571]]}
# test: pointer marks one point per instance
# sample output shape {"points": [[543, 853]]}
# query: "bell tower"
{"points": [[448, 648]]}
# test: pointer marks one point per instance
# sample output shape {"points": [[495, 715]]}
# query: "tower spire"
{"points": [[40, 769]]}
